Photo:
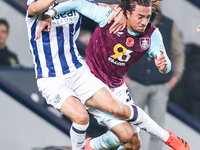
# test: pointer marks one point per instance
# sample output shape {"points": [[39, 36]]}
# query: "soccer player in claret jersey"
{"points": [[109, 57]]}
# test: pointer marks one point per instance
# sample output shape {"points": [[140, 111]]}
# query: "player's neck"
{"points": [[132, 32]]}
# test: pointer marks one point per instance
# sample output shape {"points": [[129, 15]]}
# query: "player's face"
{"points": [[138, 20], [3, 33]]}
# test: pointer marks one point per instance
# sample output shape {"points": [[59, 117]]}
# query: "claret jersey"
{"points": [[110, 56]]}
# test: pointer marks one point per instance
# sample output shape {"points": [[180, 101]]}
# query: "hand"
{"points": [[161, 62], [120, 22], [198, 29], [46, 22]]}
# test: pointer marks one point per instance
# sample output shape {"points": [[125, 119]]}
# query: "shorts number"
{"points": [[129, 96]]}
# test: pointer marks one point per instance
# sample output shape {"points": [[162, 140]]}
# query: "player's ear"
{"points": [[128, 14]]}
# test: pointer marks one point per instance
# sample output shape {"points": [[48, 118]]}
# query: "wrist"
{"points": [[51, 12]]}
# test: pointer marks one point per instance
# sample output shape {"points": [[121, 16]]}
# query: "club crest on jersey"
{"points": [[129, 42], [57, 98], [144, 43]]}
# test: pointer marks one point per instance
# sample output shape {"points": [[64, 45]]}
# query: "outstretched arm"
{"points": [[96, 13], [39, 6], [157, 50], [101, 15]]}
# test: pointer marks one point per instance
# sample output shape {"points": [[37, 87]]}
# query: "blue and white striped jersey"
{"points": [[55, 53]]}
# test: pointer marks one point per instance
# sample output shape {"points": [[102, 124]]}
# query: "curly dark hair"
{"points": [[130, 5]]}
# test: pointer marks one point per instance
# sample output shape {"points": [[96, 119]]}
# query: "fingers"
{"points": [[119, 24], [161, 60], [45, 25], [48, 27], [38, 34], [115, 28], [111, 18], [155, 56], [162, 52]]}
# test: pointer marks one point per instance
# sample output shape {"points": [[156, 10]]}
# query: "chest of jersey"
{"points": [[126, 49], [123, 49]]}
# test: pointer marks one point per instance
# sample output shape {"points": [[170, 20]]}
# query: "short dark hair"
{"points": [[3, 21], [130, 5]]}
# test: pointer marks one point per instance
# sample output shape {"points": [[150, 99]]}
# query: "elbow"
{"points": [[33, 10]]}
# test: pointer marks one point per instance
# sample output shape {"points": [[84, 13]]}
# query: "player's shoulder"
{"points": [[150, 28]]}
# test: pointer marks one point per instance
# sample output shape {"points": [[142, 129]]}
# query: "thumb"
{"points": [[155, 56], [48, 27], [161, 52]]}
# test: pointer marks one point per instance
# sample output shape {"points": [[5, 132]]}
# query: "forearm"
{"points": [[90, 10], [39, 6], [67, 6], [157, 48]]}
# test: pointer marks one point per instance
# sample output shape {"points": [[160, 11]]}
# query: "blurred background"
{"points": [[28, 123]]}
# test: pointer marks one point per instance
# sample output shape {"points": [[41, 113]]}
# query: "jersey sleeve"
{"points": [[97, 13], [156, 46]]}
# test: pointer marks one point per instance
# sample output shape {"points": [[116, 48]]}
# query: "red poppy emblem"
{"points": [[129, 42]]}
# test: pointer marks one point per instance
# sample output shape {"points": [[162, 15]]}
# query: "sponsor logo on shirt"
{"points": [[69, 17], [121, 55]]}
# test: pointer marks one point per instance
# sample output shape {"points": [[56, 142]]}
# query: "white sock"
{"points": [[107, 140], [144, 122], [134, 113], [77, 135]]}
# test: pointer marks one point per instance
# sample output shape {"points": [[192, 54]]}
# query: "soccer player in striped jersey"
{"points": [[111, 55], [63, 77]]}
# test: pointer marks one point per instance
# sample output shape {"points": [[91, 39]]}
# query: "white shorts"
{"points": [[80, 83], [109, 120]]}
